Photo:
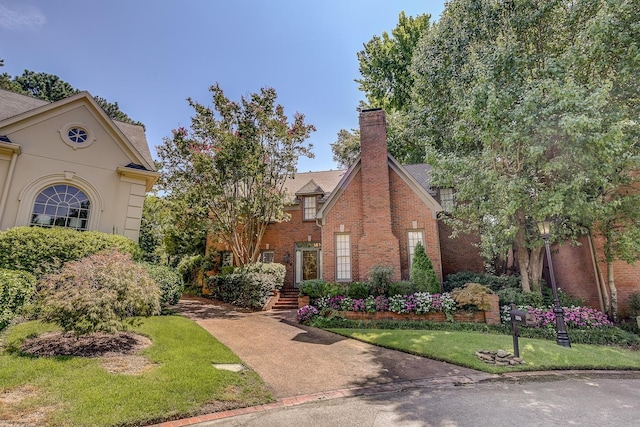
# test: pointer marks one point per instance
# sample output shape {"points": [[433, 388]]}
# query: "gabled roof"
{"points": [[15, 107], [323, 180], [417, 177], [310, 188]]}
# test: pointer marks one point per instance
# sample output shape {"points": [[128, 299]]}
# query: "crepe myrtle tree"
{"points": [[231, 166]]}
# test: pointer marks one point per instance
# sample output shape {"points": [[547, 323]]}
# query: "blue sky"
{"points": [[150, 55]]}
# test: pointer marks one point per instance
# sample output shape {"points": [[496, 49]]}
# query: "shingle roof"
{"points": [[12, 104], [326, 180], [422, 173]]}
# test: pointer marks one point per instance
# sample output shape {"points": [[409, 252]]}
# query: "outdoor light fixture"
{"points": [[561, 331], [287, 257]]}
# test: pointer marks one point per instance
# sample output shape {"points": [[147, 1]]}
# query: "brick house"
{"points": [[345, 222]]}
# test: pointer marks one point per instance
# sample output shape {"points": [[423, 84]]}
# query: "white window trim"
{"points": [[412, 243], [306, 208], [346, 257]]}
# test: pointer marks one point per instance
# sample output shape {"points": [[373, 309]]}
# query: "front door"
{"points": [[308, 262]]}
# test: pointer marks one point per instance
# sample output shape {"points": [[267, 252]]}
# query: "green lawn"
{"points": [[459, 348], [79, 391]]}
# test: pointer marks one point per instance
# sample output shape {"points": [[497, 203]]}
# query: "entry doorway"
{"points": [[308, 264]]}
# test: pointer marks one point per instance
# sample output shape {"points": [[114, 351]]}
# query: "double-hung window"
{"points": [[309, 208], [414, 237], [343, 257]]}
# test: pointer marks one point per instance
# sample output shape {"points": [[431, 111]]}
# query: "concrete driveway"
{"points": [[296, 360]]}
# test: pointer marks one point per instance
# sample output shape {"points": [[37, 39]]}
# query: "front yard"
{"points": [[459, 348], [179, 380]]}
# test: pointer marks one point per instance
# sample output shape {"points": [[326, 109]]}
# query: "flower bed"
{"points": [[574, 317], [416, 306]]}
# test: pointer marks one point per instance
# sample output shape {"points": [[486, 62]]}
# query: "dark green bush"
{"points": [[315, 288], [103, 292], [380, 280], [43, 250], [404, 287], [517, 296], [423, 275], [495, 283], [358, 290], [249, 286], [16, 288], [169, 280]]}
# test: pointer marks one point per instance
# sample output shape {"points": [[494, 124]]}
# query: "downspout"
{"points": [[7, 184], [598, 274]]}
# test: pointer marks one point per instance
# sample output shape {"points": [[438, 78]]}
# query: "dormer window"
{"points": [[447, 199], [309, 208]]}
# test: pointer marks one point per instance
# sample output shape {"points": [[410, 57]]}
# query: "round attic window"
{"points": [[77, 135]]}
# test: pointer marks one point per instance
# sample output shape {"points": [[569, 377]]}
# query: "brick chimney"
{"points": [[378, 245]]}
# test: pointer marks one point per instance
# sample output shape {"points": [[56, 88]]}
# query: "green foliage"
{"points": [[594, 336], [102, 292], [266, 275], [358, 290], [385, 63], [423, 275], [403, 287], [380, 279], [41, 250], [346, 148], [16, 289], [634, 303], [516, 296], [249, 286], [230, 168], [525, 110], [169, 281], [315, 288], [50, 87], [495, 283]]}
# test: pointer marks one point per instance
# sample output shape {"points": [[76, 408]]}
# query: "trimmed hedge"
{"points": [[16, 288], [169, 281], [40, 250], [249, 286]]}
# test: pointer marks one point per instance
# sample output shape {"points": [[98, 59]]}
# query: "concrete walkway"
{"points": [[296, 360], [301, 364]]}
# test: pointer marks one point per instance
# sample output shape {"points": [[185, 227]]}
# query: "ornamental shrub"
{"points": [[306, 314], [423, 276], [42, 250], [404, 287], [103, 292], [169, 280], [249, 286], [358, 290], [471, 296], [495, 283], [16, 288], [380, 279]]}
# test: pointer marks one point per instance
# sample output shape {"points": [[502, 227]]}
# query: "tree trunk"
{"points": [[613, 292], [536, 261]]}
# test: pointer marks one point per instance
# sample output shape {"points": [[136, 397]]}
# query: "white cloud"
{"points": [[20, 17]]}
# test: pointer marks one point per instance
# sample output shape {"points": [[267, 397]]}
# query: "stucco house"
{"points": [[68, 164]]}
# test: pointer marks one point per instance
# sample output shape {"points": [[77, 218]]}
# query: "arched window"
{"points": [[61, 205]]}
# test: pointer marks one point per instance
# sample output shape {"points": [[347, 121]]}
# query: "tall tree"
{"points": [[230, 168], [52, 88], [384, 63], [387, 83], [511, 122]]}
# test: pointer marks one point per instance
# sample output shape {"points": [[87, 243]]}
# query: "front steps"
{"points": [[288, 300]]}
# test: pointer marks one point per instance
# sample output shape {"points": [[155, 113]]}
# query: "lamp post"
{"points": [[561, 331]]}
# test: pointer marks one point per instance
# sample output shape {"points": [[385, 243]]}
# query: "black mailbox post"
{"points": [[522, 318]]}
